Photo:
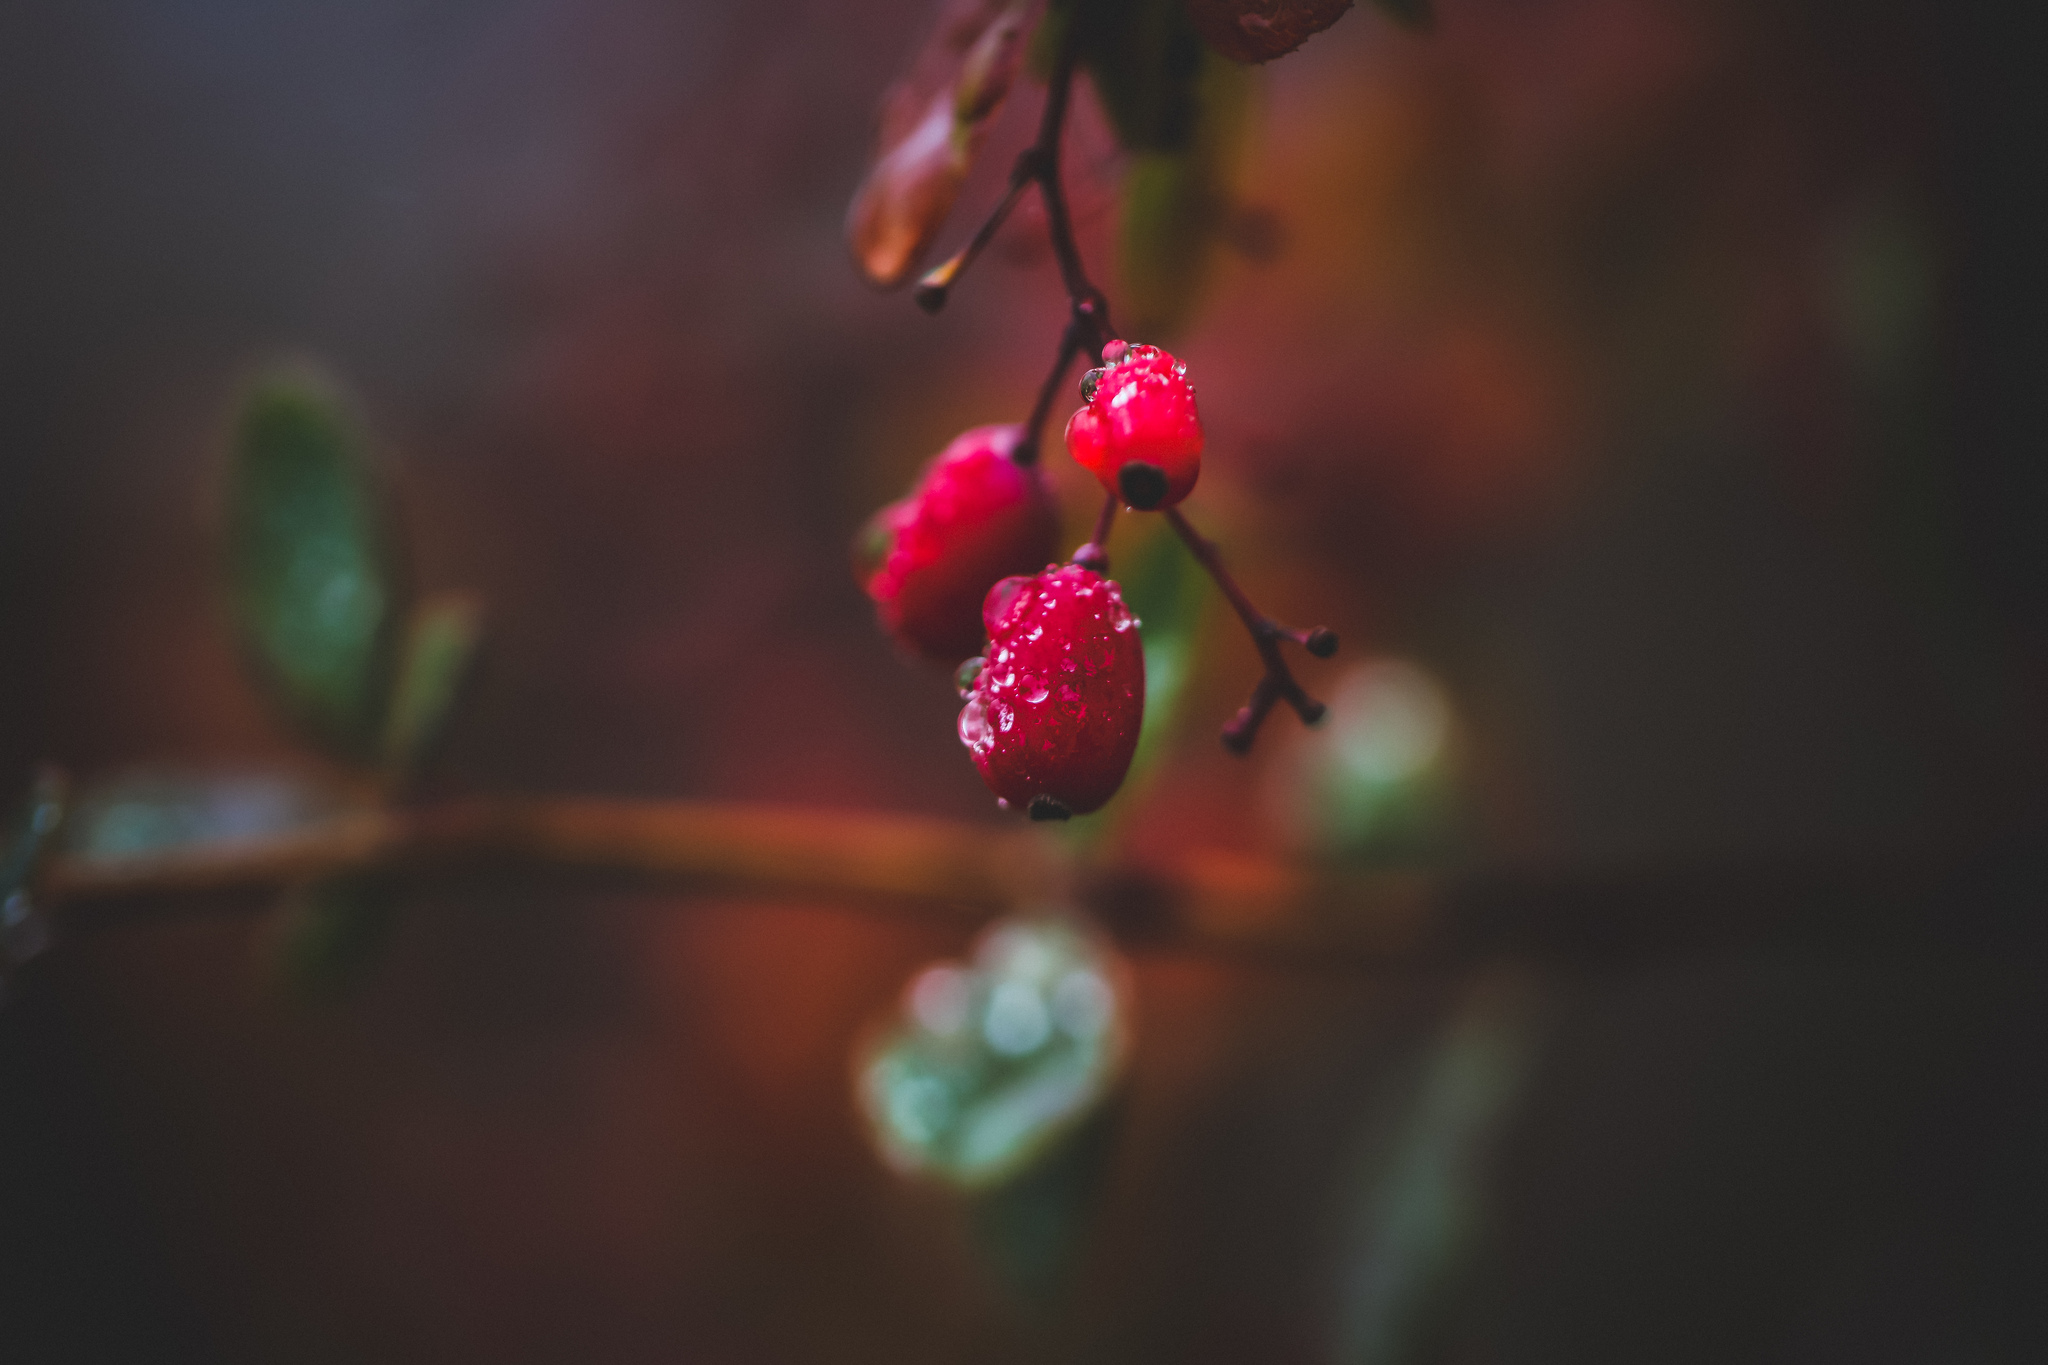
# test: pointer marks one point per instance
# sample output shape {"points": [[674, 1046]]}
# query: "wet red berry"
{"points": [[1052, 718], [1137, 429], [974, 516]]}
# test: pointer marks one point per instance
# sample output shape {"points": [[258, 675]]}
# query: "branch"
{"points": [[1243, 909], [1278, 683], [1039, 164]]}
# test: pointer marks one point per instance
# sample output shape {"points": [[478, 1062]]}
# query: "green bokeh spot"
{"points": [[996, 1059]]}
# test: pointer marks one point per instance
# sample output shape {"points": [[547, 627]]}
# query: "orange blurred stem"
{"points": [[1239, 908], [934, 869], [1278, 683]]}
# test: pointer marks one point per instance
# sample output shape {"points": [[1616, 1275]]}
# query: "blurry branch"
{"points": [[1241, 908]]}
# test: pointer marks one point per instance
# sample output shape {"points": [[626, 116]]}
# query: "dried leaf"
{"points": [[315, 574], [933, 122], [1260, 30]]}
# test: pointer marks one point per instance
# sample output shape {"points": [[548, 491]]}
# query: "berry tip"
{"points": [[1044, 807]]}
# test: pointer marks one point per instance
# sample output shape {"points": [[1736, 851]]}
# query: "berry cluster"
{"points": [[1055, 698]]}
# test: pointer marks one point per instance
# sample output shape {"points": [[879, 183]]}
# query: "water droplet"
{"points": [[968, 672], [1034, 689], [1005, 719], [974, 726]]}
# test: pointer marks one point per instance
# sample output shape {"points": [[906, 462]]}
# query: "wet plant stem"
{"points": [[1095, 554], [1039, 164], [1278, 682]]}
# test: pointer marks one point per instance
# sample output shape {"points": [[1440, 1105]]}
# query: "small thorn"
{"points": [[1143, 484], [1044, 807], [1321, 642], [1093, 558], [1311, 711], [1237, 736], [930, 297]]}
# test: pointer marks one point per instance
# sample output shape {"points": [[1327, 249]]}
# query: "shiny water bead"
{"points": [[1137, 430], [974, 515], [1054, 713], [991, 1060]]}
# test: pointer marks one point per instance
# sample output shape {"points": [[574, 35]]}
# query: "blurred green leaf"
{"points": [[1146, 61], [1167, 590], [315, 574], [1178, 201], [439, 649], [1379, 783], [331, 934], [150, 811], [24, 932], [1419, 15], [994, 1061], [1030, 1229], [1424, 1196]]}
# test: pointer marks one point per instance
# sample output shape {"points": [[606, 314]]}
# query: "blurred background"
{"points": [[1648, 391]]}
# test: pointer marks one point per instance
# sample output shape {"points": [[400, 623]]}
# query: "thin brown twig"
{"points": [[1278, 682], [1039, 164]]}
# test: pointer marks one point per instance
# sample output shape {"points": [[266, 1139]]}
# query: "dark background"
{"points": [[1665, 377]]}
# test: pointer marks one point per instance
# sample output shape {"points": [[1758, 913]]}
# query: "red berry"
{"points": [[974, 516], [1137, 429], [1053, 716]]}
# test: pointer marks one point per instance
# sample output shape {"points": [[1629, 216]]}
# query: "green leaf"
{"points": [[1030, 1229], [994, 1061], [439, 649], [1146, 60], [1178, 200], [1423, 1208], [1379, 784], [1167, 590], [24, 932], [315, 575], [330, 935]]}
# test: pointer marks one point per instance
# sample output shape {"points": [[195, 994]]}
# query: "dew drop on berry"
{"points": [[1005, 718], [968, 672], [974, 731], [1034, 689]]}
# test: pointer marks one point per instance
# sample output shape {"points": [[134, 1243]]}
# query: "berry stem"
{"points": [[1278, 684], [1095, 554], [937, 283], [1039, 164], [1026, 453]]}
